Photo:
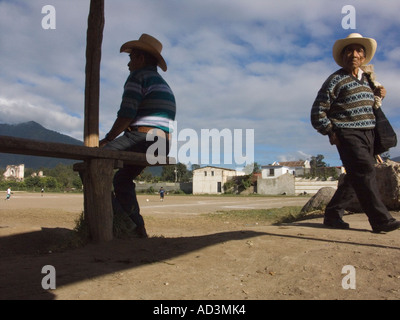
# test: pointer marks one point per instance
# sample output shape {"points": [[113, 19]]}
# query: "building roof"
{"points": [[288, 164], [214, 168], [292, 164]]}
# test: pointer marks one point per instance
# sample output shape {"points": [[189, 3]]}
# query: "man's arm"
{"points": [[120, 125], [321, 107], [319, 114]]}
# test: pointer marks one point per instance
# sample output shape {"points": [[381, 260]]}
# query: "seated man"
{"points": [[148, 105]]}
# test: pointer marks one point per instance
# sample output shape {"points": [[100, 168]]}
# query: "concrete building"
{"points": [[15, 172], [278, 169], [283, 178], [282, 184], [211, 180]]}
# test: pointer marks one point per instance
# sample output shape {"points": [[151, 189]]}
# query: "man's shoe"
{"points": [[336, 223], [386, 227]]}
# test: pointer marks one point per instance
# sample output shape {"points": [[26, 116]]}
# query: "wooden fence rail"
{"points": [[96, 171]]}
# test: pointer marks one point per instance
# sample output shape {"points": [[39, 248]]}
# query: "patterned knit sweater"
{"points": [[343, 102], [148, 100]]}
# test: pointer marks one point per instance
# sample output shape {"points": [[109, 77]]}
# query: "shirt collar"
{"points": [[360, 74]]}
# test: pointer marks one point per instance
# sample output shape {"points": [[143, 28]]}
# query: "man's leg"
{"points": [[356, 153], [124, 187], [125, 193], [343, 196]]}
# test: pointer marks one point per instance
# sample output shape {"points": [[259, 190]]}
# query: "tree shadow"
{"points": [[24, 255]]}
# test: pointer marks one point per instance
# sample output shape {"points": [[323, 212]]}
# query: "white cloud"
{"points": [[50, 116], [232, 64]]}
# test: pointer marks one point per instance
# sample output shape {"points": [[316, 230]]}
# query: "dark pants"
{"points": [[124, 187], [357, 154]]}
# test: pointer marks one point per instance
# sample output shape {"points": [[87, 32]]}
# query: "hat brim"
{"points": [[136, 44], [369, 44]]}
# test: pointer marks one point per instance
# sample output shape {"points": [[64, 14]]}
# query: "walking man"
{"points": [[343, 110]]}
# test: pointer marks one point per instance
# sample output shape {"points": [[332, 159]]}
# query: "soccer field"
{"points": [[151, 204]]}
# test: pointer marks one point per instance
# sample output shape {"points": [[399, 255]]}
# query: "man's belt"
{"points": [[156, 131]]}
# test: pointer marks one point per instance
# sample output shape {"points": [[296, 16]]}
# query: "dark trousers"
{"points": [[124, 186], [357, 154]]}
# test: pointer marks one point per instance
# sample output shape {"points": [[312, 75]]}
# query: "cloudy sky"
{"points": [[232, 64]]}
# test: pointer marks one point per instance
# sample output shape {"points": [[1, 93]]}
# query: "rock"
{"points": [[319, 200], [388, 179]]}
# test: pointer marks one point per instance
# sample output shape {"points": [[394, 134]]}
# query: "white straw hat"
{"points": [[369, 44]]}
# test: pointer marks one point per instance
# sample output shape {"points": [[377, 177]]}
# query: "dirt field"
{"points": [[190, 255]]}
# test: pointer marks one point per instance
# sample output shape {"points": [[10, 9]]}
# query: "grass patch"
{"points": [[123, 227], [272, 216]]}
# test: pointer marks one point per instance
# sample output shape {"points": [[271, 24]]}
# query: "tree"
{"points": [[176, 173], [319, 168], [49, 183], [65, 176], [33, 182], [317, 162], [195, 167], [146, 175], [252, 168]]}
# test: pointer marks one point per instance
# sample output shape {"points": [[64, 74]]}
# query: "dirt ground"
{"points": [[191, 256]]}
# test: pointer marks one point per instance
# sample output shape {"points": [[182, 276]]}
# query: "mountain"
{"points": [[33, 130]]}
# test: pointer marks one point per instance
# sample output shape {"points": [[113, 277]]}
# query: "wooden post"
{"points": [[97, 175], [93, 59]]}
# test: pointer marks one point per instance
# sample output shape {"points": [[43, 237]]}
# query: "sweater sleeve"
{"points": [[320, 110]]}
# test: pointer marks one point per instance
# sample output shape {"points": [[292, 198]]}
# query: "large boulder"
{"points": [[388, 180], [319, 200]]}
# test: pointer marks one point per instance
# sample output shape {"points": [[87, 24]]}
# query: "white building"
{"points": [[278, 169], [283, 178], [211, 180], [15, 172]]}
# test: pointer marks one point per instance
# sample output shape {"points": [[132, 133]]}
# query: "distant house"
{"points": [[277, 169], [211, 180], [285, 178]]}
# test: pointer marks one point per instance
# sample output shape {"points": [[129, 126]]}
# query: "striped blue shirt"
{"points": [[148, 100]]}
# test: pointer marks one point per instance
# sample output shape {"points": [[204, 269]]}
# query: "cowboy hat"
{"points": [[149, 44], [369, 44]]}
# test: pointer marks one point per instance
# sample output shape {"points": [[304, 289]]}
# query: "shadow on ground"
{"points": [[24, 255]]}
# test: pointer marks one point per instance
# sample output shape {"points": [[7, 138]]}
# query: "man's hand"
{"points": [[102, 143], [380, 92], [119, 126]]}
